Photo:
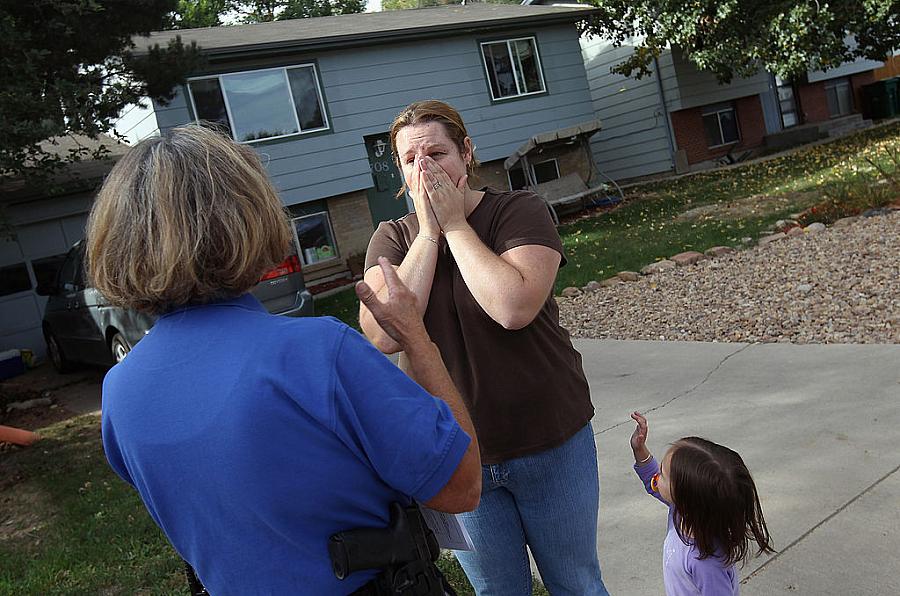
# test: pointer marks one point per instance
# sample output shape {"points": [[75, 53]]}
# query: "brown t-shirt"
{"points": [[525, 389]]}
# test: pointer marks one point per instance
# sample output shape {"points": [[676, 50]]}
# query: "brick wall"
{"points": [[351, 221], [813, 103], [690, 134]]}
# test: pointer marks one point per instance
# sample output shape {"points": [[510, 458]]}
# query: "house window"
{"points": [[720, 123], [840, 97], [261, 104], [543, 171], [316, 238], [513, 67], [14, 279]]}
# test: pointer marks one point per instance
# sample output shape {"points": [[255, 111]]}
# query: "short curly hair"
{"points": [[189, 217]]}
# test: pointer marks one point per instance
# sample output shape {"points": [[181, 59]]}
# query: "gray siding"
{"points": [[364, 90], [691, 88], [633, 141], [137, 122], [844, 70]]}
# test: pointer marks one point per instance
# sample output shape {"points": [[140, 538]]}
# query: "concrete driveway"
{"points": [[818, 426]]}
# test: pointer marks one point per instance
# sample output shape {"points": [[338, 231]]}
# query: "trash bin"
{"points": [[896, 89], [881, 99], [11, 364]]}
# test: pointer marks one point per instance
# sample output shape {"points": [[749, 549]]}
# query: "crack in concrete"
{"points": [[683, 393], [820, 524]]}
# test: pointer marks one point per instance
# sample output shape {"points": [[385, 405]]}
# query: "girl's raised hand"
{"points": [[639, 437]]}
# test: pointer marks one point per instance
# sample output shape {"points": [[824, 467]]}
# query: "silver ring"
{"points": [[437, 185]]}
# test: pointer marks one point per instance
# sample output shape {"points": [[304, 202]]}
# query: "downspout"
{"points": [[670, 135]]}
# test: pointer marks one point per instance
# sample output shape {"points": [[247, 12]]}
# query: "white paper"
{"points": [[448, 530]]}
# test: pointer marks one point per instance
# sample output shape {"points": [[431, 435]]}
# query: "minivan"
{"points": [[81, 327]]}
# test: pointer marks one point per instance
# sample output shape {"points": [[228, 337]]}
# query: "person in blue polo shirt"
{"points": [[252, 438]]}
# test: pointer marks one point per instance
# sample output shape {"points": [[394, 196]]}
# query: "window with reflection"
{"points": [[513, 67], [316, 238], [261, 104]]}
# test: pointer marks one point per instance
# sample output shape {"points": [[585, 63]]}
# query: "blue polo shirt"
{"points": [[252, 438]]}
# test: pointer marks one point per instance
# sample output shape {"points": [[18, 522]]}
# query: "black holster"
{"points": [[405, 552]]}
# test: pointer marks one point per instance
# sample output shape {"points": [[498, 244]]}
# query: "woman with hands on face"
{"points": [[481, 264]]}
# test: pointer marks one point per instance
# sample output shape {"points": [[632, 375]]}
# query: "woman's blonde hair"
{"points": [[186, 218]]}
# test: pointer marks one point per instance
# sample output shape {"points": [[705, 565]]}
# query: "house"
{"points": [[681, 119], [43, 221], [315, 97]]}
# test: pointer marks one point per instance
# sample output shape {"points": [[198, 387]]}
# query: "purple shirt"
{"points": [[684, 572]]}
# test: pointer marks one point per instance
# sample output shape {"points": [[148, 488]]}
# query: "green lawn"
{"points": [[69, 525], [344, 305], [835, 177]]}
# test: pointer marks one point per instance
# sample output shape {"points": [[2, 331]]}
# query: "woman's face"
{"points": [[431, 139]]}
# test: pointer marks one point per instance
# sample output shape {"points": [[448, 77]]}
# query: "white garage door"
{"points": [[32, 257]]}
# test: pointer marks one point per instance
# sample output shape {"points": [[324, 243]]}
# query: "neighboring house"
{"points": [[45, 223], [315, 97], [681, 118]]}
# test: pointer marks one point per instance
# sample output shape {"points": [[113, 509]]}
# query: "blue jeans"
{"points": [[548, 501]]}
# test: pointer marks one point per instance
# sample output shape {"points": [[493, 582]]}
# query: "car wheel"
{"points": [[57, 356], [119, 347]]}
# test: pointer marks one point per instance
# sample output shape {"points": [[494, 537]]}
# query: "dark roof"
{"points": [[365, 28], [77, 176]]}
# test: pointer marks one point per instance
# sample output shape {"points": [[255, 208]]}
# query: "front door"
{"points": [[387, 180]]}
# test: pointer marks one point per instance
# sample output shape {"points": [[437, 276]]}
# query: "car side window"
{"points": [[69, 274], [79, 269]]}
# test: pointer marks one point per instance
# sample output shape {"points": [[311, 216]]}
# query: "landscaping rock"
{"points": [[846, 221], [814, 228], [592, 286], [718, 251], [690, 257], [794, 232], [746, 240], [28, 404], [610, 281], [839, 287], [876, 212], [783, 224], [658, 266], [570, 292], [772, 238], [628, 275]]}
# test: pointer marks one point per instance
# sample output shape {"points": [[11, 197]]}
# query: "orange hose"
{"points": [[17, 436]]}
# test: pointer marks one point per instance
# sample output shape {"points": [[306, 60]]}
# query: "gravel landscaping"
{"points": [[838, 285]]}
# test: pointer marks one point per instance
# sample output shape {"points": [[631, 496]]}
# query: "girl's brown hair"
{"points": [[715, 499], [186, 218], [432, 110]]}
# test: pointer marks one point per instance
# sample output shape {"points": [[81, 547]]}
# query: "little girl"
{"points": [[714, 512]]}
